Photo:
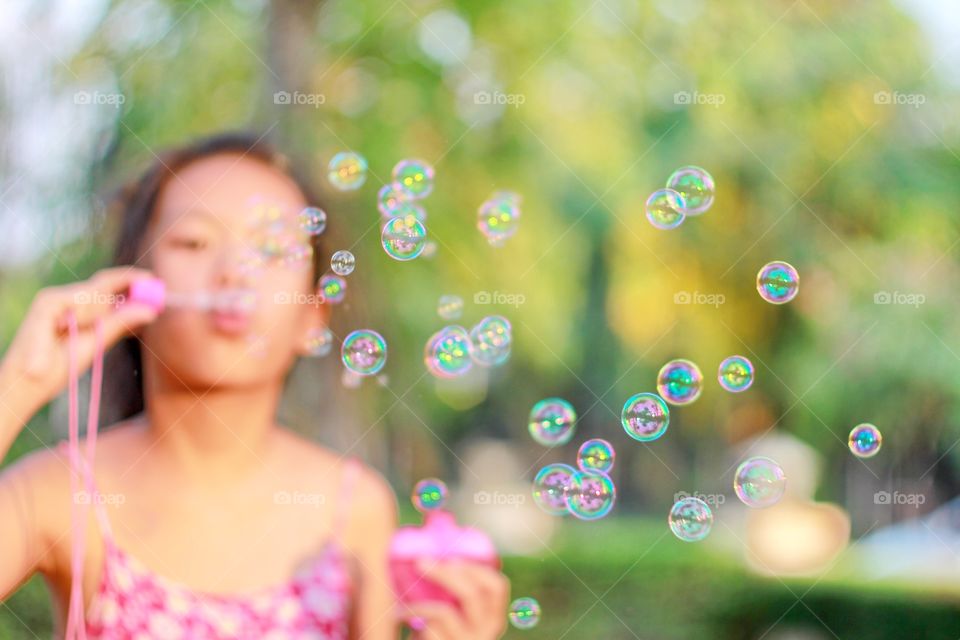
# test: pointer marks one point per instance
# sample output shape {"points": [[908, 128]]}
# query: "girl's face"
{"points": [[206, 237]]}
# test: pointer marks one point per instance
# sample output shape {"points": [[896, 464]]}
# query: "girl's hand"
{"points": [[483, 594], [36, 362]]}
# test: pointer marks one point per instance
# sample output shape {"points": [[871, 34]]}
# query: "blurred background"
{"points": [[831, 131]]}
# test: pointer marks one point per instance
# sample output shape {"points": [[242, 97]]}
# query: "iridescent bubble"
{"points": [[450, 307], [403, 238], [364, 352], [735, 374], [347, 171], [550, 488], [332, 289], [645, 417], [389, 199], [680, 382], [498, 219], [552, 421], [313, 220], [429, 495], [414, 178], [319, 342], [524, 613], [595, 455], [759, 482], [447, 354], [665, 209], [590, 495], [696, 188], [778, 282], [342, 262], [491, 338], [690, 519], [865, 440]]}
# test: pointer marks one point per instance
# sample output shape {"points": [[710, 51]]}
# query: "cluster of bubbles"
{"points": [[690, 519], [498, 217], [778, 282], [689, 192], [364, 352], [680, 382], [452, 351], [347, 171], [279, 236], [552, 422], [759, 482], [524, 613], [735, 374], [430, 494], [645, 416], [865, 440], [403, 235]]}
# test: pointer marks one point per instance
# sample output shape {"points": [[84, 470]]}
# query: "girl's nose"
{"points": [[236, 265]]}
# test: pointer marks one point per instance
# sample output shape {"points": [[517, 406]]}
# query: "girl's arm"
{"points": [[33, 370]]}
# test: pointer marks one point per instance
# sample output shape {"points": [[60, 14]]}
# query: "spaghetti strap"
{"points": [[351, 469]]}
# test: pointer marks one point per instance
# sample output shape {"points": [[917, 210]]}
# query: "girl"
{"points": [[192, 532]]}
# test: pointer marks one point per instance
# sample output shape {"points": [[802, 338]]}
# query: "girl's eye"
{"points": [[190, 244]]}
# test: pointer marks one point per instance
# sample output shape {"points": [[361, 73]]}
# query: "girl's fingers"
{"points": [[99, 296], [479, 590], [442, 621]]}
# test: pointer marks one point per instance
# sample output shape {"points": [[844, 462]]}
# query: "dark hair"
{"points": [[123, 379]]}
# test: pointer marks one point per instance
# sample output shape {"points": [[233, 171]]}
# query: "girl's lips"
{"points": [[231, 322]]}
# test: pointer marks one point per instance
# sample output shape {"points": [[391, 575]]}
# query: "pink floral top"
{"points": [[133, 603]]}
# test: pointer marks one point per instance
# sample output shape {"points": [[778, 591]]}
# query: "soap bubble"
{"points": [[778, 282], [865, 440], [498, 219], [389, 199], [680, 382], [550, 488], [491, 338], [403, 238], [450, 307], [595, 455], [414, 178], [347, 171], [524, 613], [696, 188], [429, 495], [690, 519], [364, 352], [332, 289], [735, 374], [665, 209], [590, 495], [319, 342], [552, 422], [759, 482], [313, 220], [342, 263], [447, 353], [645, 417]]}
